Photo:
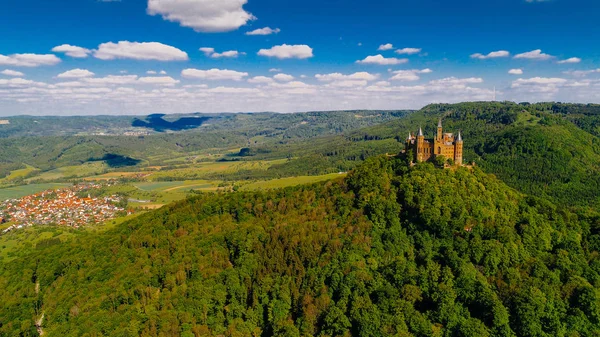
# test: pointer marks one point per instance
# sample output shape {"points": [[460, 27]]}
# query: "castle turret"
{"points": [[440, 133], [458, 150], [420, 146]]}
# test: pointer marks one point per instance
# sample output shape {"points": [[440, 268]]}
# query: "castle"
{"points": [[444, 145]]}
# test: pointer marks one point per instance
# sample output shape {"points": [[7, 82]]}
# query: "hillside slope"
{"points": [[389, 251], [536, 149]]}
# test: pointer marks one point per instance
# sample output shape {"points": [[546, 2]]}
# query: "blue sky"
{"points": [[145, 56]]}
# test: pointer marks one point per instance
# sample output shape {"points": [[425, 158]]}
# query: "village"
{"points": [[63, 207]]}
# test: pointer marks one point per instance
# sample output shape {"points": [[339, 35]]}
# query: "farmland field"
{"points": [[24, 190], [292, 181]]}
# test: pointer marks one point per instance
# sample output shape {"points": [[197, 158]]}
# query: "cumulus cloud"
{"points": [[539, 80], [264, 31], [570, 60], [365, 76], [387, 46], [457, 81], [112, 80], [285, 51], [29, 60], [408, 51], [139, 51], [13, 73], [409, 75], [275, 70], [210, 52], [207, 16], [494, 54], [72, 51], [380, 60], [516, 71], [158, 80], [260, 80], [20, 82], [283, 77], [214, 74], [536, 55], [76, 73], [581, 73]]}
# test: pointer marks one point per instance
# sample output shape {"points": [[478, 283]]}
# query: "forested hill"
{"points": [[547, 149], [389, 251]]}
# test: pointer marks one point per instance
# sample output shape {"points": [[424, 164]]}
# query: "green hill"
{"points": [[389, 251], [536, 148]]}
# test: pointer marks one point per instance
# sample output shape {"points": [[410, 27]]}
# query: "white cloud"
{"points": [[214, 74], [20, 82], [537, 81], [13, 73], [365, 76], [207, 50], [494, 54], [570, 60], [534, 55], [29, 60], [73, 51], [158, 80], [264, 31], [285, 51], [409, 75], [408, 51], [516, 71], [380, 60], [232, 90], [275, 70], [260, 80], [284, 77], [203, 15], [112, 80], [151, 72], [227, 54], [139, 51], [76, 73], [162, 72], [581, 73], [457, 81], [387, 46]]}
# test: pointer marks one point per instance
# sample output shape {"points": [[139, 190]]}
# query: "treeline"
{"points": [[390, 251]]}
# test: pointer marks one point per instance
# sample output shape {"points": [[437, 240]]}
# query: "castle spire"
{"points": [[459, 139], [420, 131], [409, 136], [440, 123]]}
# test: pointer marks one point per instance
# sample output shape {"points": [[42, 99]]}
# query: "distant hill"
{"points": [[541, 149], [389, 251]]}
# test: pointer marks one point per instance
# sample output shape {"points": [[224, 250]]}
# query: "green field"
{"points": [[16, 174], [25, 190], [292, 181], [83, 170]]}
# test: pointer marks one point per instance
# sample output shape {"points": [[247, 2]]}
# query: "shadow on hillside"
{"points": [[116, 160], [159, 124]]}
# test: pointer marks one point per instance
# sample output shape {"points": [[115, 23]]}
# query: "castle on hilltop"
{"points": [[444, 144]]}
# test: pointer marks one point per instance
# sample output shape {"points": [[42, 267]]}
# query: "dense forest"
{"points": [[391, 250]]}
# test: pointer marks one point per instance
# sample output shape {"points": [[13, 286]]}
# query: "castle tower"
{"points": [[440, 133], [458, 150], [420, 146]]}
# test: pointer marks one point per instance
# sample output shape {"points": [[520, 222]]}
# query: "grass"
{"points": [[292, 181], [25, 190], [202, 170], [16, 174], [76, 171]]}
